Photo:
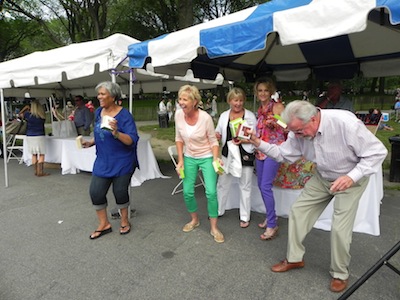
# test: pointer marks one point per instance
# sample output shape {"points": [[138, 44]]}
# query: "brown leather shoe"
{"points": [[338, 285], [284, 266]]}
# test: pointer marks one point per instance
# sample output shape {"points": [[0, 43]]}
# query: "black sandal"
{"points": [[102, 232], [123, 227]]}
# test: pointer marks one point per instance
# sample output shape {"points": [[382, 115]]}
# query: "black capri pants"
{"points": [[99, 187]]}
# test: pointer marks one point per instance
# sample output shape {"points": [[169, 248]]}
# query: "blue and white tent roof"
{"points": [[288, 38]]}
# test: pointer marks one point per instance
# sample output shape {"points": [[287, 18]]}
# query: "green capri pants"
{"points": [[192, 166]]}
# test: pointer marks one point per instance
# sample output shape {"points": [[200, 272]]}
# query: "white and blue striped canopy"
{"points": [[290, 39]]}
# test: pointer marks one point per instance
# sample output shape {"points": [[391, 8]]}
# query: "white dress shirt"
{"points": [[342, 146]]}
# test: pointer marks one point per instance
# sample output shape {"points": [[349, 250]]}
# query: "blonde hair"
{"points": [[192, 92], [37, 110], [235, 92], [269, 84]]}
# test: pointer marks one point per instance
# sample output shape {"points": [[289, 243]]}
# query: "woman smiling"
{"points": [[116, 138], [195, 131]]}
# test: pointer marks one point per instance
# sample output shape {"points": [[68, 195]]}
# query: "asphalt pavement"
{"points": [[46, 253]]}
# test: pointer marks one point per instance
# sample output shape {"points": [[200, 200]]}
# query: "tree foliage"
{"points": [[78, 21], [85, 20]]}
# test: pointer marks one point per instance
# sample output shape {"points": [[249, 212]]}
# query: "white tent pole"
{"points": [[3, 128], [51, 111], [131, 91]]}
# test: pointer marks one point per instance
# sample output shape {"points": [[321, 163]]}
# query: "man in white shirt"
{"points": [[162, 108], [346, 153], [170, 108], [162, 114]]}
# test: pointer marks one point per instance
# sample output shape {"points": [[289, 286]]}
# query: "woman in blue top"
{"points": [[35, 134], [116, 157]]}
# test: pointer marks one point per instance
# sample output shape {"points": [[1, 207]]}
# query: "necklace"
{"points": [[234, 116]]}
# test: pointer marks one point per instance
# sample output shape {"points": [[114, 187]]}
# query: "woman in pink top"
{"points": [[194, 130], [270, 131]]}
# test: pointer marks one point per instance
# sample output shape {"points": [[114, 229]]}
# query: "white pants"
{"points": [[224, 187]]}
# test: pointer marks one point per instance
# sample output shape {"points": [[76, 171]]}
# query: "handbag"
{"points": [[247, 158]]}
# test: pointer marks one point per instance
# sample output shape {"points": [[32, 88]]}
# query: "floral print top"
{"points": [[268, 129]]}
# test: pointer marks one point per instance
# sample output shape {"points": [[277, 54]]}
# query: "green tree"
{"points": [[212, 9], [145, 19], [80, 21]]}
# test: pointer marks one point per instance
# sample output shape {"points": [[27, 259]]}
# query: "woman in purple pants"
{"points": [[270, 131]]}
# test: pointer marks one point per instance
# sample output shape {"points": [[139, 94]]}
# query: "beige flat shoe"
{"points": [[189, 227], [218, 236]]}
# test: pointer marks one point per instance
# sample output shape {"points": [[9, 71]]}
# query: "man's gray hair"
{"points": [[299, 109], [113, 88]]}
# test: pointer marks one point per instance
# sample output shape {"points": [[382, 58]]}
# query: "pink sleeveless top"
{"points": [[268, 129]]}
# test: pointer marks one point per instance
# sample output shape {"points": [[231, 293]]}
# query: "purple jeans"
{"points": [[266, 173]]}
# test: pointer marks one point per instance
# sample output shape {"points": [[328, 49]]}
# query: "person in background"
{"points": [[116, 158], [201, 105], [162, 108], [56, 115], [177, 106], [82, 117], [163, 119], [207, 106], [375, 115], [397, 106], [194, 130], [170, 109], [346, 153], [335, 99], [16, 112], [269, 131], [236, 98], [91, 108], [305, 96], [35, 135], [214, 107], [68, 110]]}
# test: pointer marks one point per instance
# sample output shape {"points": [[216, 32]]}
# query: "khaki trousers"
{"points": [[306, 211]]}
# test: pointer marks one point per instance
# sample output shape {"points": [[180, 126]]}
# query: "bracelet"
{"points": [[116, 136]]}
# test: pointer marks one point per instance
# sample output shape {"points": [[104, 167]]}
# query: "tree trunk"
{"points": [[381, 85], [373, 85], [185, 14]]}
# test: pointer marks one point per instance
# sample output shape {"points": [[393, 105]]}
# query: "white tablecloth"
{"points": [[74, 160], [367, 219]]}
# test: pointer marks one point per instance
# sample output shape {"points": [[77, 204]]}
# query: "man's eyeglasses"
{"points": [[301, 130]]}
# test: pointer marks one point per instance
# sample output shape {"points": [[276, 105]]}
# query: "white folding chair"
{"points": [[16, 149], [173, 153]]}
